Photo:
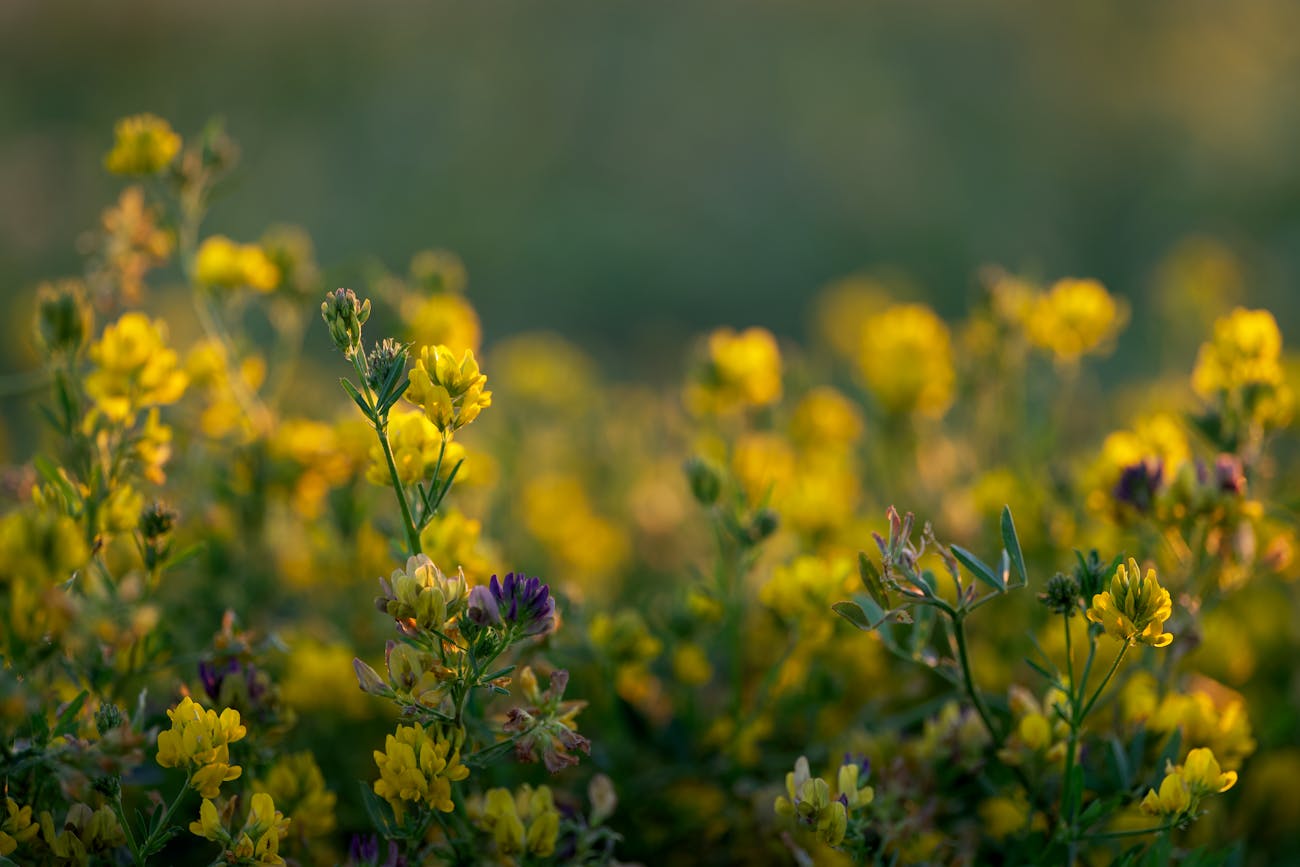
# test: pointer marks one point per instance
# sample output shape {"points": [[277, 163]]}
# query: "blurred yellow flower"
{"points": [[905, 357], [1075, 318], [443, 319], [825, 418], [134, 368], [740, 371], [224, 263], [296, 784], [144, 145]]}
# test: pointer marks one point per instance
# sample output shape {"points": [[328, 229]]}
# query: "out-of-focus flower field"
{"points": [[913, 591]]}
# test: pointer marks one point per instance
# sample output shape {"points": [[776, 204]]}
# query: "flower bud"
{"points": [[386, 355], [344, 313], [705, 482], [63, 317], [107, 718]]}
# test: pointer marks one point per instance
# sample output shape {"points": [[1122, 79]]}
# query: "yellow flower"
{"points": [[200, 739], [451, 392], [524, 822], [826, 418], [1003, 816], [455, 540], [417, 766], [82, 833], [1241, 361], [1203, 776], [16, 826], [808, 799], [133, 243], [295, 782], [691, 664], [905, 357], [1209, 715], [421, 596], [227, 264], [134, 369], [443, 319], [1135, 608], [415, 442], [257, 843], [144, 145], [1075, 318], [209, 822], [739, 371], [1173, 799]]}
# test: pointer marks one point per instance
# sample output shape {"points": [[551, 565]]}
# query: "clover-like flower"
{"points": [[418, 765], [1185, 785], [522, 602], [145, 144], [451, 392], [1135, 607], [547, 725], [199, 739], [808, 799], [421, 596]]}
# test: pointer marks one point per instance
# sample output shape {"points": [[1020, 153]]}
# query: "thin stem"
{"points": [[408, 523], [963, 656], [1119, 657], [1134, 833], [120, 812], [150, 842]]}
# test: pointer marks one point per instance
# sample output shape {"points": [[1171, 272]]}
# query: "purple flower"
{"points": [[1139, 483], [524, 602], [483, 608]]}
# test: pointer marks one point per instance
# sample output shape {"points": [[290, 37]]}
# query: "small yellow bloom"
{"points": [[1173, 799], [1135, 608], [200, 739], [209, 822], [451, 391], [443, 319], [295, 782], [906, 360], [1203, 776], [16, 826], [144, 145], [134, 368], [1075, 318], [739, 371], [419, 767], [224, 263]]}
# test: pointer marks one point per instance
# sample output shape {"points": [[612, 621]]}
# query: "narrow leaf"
{"points": [[853, 613], [978, 568], [1012, 541], [871, 580]]}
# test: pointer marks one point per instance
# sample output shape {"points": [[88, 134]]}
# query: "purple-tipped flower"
{"points": [[232, 682], [363, 851], [524, 602], [483, 608], [1229, 475], [1139, 483]]}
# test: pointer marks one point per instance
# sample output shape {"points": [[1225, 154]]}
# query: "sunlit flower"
{"points": [[134, 368], [1075, 318], [296, 784], [1135, 607], [522, 822], [145, 145], [224, 263], [906, 360], [739, 371], [451, 392]]}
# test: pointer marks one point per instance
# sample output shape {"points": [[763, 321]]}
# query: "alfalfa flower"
{"points": [[1185, 785], [134, 368], [226, 264], [740, 371], [808, 799], [521, 822], [906, 360], [256, 843], [16, 826], [1135, 607], [297, 785], [1075, 318], [199, 740], [547, 725], [418, 766], [421, 596], [452, 392], [523, 603], [344, 313], [145, 145]]}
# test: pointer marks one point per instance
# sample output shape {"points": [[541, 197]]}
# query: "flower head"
{"points": [[145, 145], [740, 370], [421, 596], [524, 603], [344, 313], [134, 368], [1135, 607], [452, 392], [418, 765], [1075, 318], [224, 263], [906, 360], [199, 739]]}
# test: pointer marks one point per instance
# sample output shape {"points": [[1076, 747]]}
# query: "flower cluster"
{"points": [[199, 740], [808, 799], [450, 391], [257, 842], [223, 263], [417, 766], [1135, 608]]}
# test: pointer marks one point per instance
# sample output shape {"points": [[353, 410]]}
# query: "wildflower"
{"points": [[450, 392], [740, 371], [524, 603], [826, 418], [1004, 815], [418, 765], [1135, 608], [256, 843], [547, 725], [386, 355], [1139, 483], [525, 822], [296, 784], [442, 319], [132, 243], [604, 800], [1074, 318], [153, 447], [1173, 799], [63, 317], [134, 368], [224, 263], [290, 250], [483, 608], [905, 358], [421, 596], [199, 739], [1185, 785], [145, 145], [808, 799], [345, 314], [1241, 365], [1209, 715], [16, 827], [1203, 776], [1062, 596], [83, 833], [691, 664]]}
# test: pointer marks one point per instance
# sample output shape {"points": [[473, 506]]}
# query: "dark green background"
{"points": [[631, 173]]}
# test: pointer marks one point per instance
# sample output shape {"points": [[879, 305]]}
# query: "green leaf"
{"points": [[853, 613], [977, 567], [1012, 541], [379, 810], [66, 724], [356, 396], [50, 472], [1051, 678], [871, 580]]}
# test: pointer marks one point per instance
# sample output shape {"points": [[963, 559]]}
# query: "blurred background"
{"points": [[630, 174]]}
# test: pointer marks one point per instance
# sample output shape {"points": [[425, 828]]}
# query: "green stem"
{"points": [[1119, 657], [151, 842], [1135, 833], [408, 523], [963, 656], [120, 812]]}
